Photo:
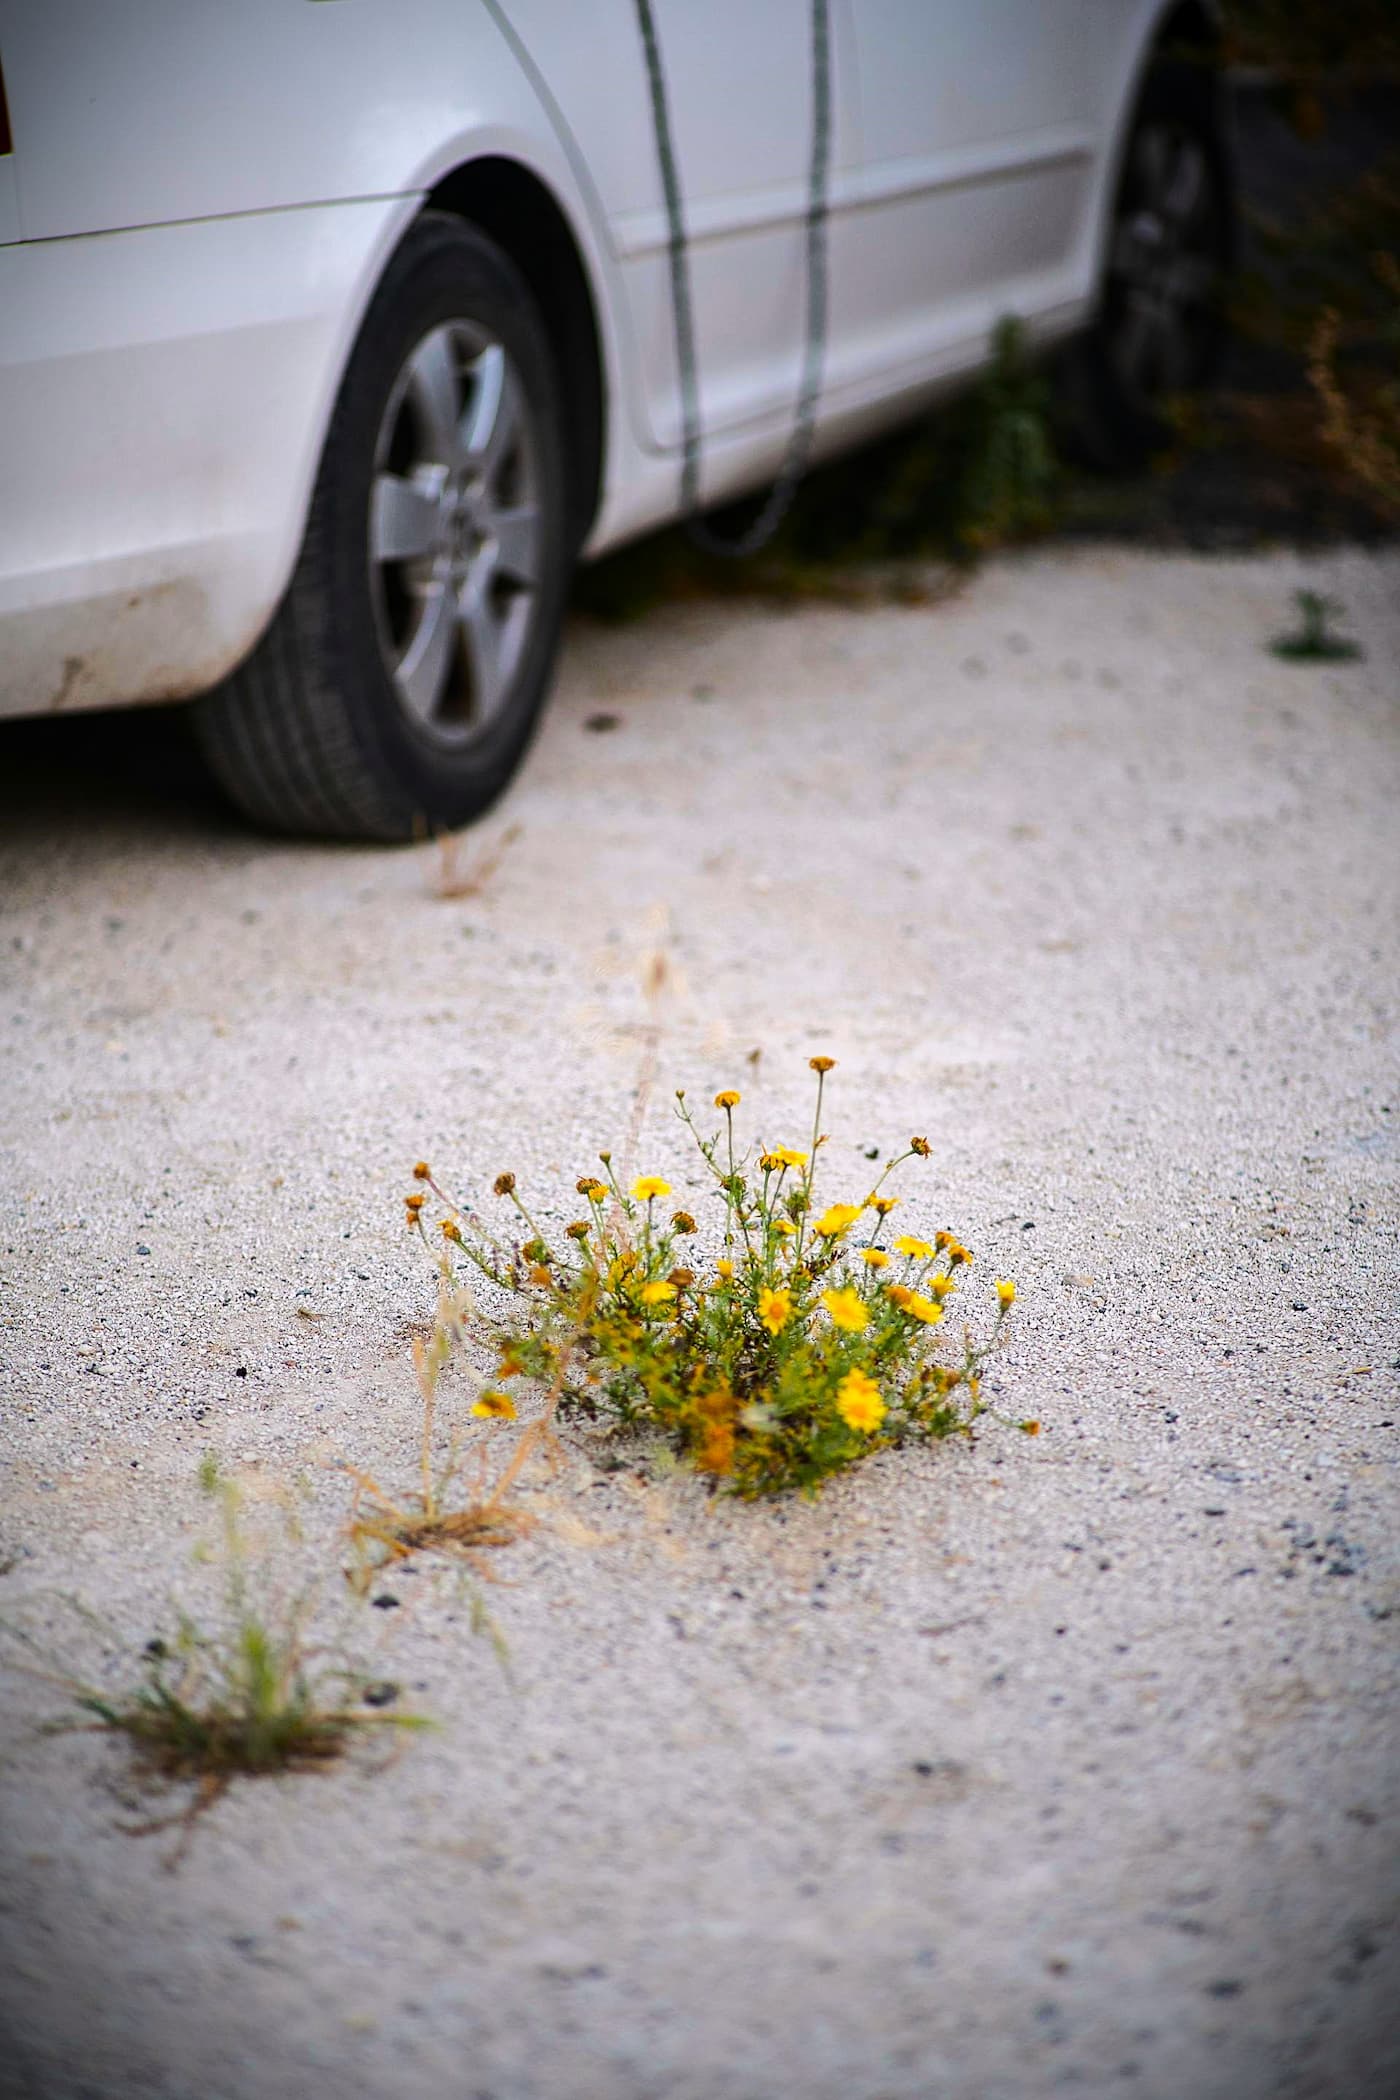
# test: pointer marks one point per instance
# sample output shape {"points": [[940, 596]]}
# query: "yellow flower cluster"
{"points": [[790, 1356]]}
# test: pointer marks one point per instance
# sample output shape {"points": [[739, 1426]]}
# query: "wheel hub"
{"points": [[1162, 264], [455, 531]]}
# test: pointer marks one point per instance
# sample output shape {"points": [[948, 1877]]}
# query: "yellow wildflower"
{"points": [[414, 1202], [725, 1268], [919, 1307], [422, 1172], [657, 1293], [1006, 1294], [821, 1064], [858, 1402], [917, 1250], [646, 1186], [778, 1157], [847, 1308], [451, 1230], [884, 1204], [496, 1407], [957, 1253], [728, 1099], [785, 1228], [836, 1219], [940, 1286], [774, 1309], [874, 1257], [919, 1145], [591, 1187]]}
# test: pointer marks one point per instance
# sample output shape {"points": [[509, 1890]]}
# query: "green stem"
{"points": [[810, 1175]]}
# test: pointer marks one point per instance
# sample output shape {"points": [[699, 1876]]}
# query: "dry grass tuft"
{"points": [[446, 1513], [451, 882]]}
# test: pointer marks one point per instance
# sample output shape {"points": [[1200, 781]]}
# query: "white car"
{"points": [[332, 332]]}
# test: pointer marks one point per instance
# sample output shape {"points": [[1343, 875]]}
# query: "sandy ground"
{"points": [[1067, 1763]]}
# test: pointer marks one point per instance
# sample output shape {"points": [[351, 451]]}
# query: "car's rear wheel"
{"points": [[396, 688], [1159, 324]]}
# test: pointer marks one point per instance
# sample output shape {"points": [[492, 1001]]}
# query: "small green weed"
{"points": [[246, 1701], [1313, 640], [797, 1351]]}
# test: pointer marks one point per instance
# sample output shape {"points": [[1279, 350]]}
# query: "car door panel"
{"points": [[739, 89], [979, 130]]}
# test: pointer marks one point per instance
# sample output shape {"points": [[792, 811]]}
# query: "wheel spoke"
{"points": [[405, 519], [492, 421], [1186, 186], [422, 671], [1188, 280], [435, 390], [1130, 257], [517, 536], [486, 633]]}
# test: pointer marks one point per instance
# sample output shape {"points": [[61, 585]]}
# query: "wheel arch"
{"points": [[511, 205]]}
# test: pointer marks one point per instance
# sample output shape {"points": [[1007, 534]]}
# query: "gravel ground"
{"points": [[1055, 1763]]}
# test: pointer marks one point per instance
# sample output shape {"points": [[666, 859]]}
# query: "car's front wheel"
{"points": [[396, 688]]}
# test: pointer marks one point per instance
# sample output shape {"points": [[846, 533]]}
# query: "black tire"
{"points": [[1165, 277], [329, 728]]}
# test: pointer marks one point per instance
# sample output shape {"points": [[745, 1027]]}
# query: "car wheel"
{"points": [[397, 686], [1159, 324]]}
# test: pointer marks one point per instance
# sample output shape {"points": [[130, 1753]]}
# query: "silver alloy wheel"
{"points": [[455, 531], [1162, 267]]}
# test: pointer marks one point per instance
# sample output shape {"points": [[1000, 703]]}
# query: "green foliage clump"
{"points": [[978, 471], [808, 1342], [1361, 402]]}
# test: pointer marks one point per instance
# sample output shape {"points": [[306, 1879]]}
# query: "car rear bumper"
{"points": [[164, 394]]}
